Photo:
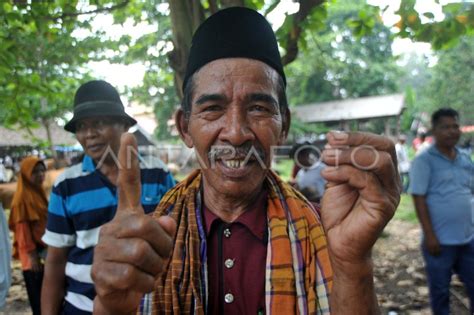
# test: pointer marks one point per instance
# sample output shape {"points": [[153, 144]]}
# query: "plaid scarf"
{"points": [[298, 277]]}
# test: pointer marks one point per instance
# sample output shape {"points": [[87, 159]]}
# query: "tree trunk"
{"points": [[232, 3], [290, 43], [186, 16], [46, 126]]}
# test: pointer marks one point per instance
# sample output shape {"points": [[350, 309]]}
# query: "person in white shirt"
{"points": [[403, 161]]}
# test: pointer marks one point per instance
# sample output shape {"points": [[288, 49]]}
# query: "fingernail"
{"points": [[327, 146], [340, 135]]}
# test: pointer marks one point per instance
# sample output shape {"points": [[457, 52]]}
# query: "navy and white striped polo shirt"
{"points": [[81, 201]]}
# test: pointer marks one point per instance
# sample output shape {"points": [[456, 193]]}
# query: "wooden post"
{"points": [[388, 131]]}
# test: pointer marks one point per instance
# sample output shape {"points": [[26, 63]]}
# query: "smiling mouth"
{"points": [[234, 163], [95, 147], [238, 164]]}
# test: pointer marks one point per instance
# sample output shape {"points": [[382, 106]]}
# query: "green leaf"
{"points": [[452, 8], [429, 15]]}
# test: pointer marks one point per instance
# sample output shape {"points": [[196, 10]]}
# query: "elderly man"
{"points": [[84, 197], [233, 238]]}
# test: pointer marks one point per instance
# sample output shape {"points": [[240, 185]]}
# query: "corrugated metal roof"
{"points": [[351, 109], [9, 137]]}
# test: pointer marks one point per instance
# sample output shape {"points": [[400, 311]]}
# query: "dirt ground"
{"points": [[400, 279], [399, 276]]}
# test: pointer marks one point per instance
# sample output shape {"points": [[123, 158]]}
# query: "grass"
{"points": [[406, 209], [284, 167]]}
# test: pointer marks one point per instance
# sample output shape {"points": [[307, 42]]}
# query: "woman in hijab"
{"points": [[28, 222]]}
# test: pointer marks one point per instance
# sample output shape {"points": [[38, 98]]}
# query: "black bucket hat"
{"points": [[232, 33], [97, 98]]}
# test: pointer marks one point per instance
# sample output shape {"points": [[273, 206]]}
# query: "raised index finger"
{"points": [[129, 184]]}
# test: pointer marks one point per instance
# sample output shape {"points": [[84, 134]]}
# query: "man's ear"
{"points": [[182, 125], [285, 127]]}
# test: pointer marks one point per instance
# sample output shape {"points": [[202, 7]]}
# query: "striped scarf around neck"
{"points": [[298, 276]]}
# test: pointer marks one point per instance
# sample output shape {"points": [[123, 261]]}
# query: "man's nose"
{"points": [[90, 131], [236, 130]]}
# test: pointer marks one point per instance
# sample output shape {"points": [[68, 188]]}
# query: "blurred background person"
{"points": [[5, 256], [296, 166], [423, 143], [28, 223], [403, 161], [441, 182], [308, 179]]}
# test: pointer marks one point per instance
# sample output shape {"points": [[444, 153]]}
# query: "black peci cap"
{"points": [[232, 33]]}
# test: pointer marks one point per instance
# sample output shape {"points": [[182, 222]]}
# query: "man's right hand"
{"points": [[432, 245], [133, 248], [36, 265]]}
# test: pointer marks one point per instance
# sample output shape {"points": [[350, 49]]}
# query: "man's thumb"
{"points": [[168, 224]]}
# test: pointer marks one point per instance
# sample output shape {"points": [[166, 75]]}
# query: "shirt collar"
{"points": [[434, 150], [254, 219], [88, 164]]}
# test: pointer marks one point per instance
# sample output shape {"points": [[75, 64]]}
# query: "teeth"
{"points": [[232, 163]]}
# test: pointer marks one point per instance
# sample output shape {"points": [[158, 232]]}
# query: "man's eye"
{"points": [[100, 123], [259, 108], [212, 108]]}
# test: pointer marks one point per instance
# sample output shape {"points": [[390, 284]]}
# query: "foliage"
{"points": [[41, 60], [42, 57], [451, 84], [448, 83], [458, 21], [343, 63]]}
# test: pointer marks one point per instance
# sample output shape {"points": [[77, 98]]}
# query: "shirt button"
{"points": [[227, 233], [229, 298], [229, 263]]}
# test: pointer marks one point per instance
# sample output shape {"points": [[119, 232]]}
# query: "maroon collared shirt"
{"points": [[236, 258]]}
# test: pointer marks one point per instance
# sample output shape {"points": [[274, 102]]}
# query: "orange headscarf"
{"points": [[29, 201]]}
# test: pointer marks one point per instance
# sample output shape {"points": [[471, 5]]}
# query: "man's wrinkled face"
{"points": [[447, 131], [235, 121], [99, 135]]}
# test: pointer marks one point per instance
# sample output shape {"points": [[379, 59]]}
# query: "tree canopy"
{"points": [[44, 54]]}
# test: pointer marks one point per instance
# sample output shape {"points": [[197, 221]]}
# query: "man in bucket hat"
{"points": [[233, 238], [84, 198]]}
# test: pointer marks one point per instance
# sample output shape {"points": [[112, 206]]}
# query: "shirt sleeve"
{"points": [[471, 175], [169, 182], [24, 237], [60, 231], [5, 258], [26, 244], [419, 176]]}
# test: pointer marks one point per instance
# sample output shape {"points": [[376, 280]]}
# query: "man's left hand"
{"points": [[363, 192]]}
